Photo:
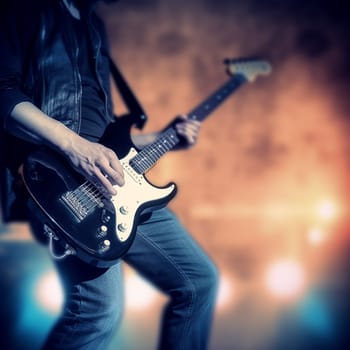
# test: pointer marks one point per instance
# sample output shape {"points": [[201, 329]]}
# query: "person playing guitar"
{"points": [[55, 93], [76, 174]]}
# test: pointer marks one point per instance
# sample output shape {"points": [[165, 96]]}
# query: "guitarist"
{"points": [[54, 91]]}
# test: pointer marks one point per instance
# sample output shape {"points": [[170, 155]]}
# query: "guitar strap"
{"points": [[130, 100]]}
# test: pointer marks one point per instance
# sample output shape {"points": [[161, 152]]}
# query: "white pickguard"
{"points": [[135, 192]]}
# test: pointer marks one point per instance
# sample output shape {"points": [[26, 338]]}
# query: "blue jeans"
{"points": [[165, 254]]}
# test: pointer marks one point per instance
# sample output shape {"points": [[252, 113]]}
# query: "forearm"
{"points": [[28, 122], [93, 160]]}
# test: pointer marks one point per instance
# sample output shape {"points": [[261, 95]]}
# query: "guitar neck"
{"points": [[168, 139], [204, 109]]}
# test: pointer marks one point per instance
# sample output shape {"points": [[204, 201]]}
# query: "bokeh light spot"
{"points": [[225, 292], [327, 210], [49, 293], [316, 236], [285, 279], [140, 295]]}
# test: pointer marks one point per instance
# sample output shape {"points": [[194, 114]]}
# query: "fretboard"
{"points": [[168, 139]]}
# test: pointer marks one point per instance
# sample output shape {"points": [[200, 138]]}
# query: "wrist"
{"points": [[62, 138]]}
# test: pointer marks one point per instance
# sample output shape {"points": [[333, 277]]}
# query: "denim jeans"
{"points": [[166, 255]]}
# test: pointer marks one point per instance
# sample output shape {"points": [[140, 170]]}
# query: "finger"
{"points": [[190, 124], [193, 127], [190, 137], [185, 119], [195, 124], [188, 130], [111, 168], [103, 183], [114, 172]]}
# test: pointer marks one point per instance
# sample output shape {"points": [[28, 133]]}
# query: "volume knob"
{"points": [[123, 227]]}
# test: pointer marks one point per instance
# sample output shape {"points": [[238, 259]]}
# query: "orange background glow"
{"points": [[266, 186]]}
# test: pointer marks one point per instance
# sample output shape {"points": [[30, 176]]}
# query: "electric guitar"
{"points": [[87, 224]]}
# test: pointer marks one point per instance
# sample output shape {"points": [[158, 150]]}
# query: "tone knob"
{"points": [[105, 245], [122, 227], [124, 210], [102, 231]]}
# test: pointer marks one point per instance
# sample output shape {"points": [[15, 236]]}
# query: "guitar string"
{"points": [[94, 192], [87, 196]]}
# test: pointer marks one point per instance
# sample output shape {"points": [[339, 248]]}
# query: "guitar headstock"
{"points": [[250, 68]]}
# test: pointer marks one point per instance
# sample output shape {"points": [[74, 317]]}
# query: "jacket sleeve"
{"points": [[14, 42]]}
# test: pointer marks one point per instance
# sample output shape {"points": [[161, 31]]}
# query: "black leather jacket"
{"points": [[40, 65]]}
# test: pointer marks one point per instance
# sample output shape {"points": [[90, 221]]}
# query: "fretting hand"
{"points": [[188, 129]]}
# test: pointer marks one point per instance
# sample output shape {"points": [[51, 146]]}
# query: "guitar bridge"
{"points": [[82, 201]]}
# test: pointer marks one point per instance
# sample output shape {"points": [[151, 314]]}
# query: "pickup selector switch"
{"points": [[105, 217]]}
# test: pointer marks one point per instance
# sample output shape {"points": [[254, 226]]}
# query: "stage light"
{"points": [[285, 279], [49, 293], [140, 295]]}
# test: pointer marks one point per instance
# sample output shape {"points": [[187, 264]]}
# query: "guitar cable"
{"points": [[68, 250]]}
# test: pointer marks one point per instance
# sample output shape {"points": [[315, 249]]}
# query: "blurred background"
{"points": [[265, 190]]}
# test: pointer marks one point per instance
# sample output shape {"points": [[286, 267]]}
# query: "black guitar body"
{"points": [[88, 222]]}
